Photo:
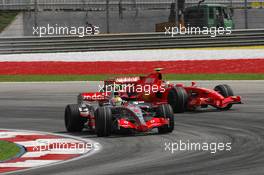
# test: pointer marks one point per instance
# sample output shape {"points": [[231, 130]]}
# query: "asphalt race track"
{"points": [[40, 106]]}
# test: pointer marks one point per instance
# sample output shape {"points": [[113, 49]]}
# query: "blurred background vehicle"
{"points": [[133, 16]]}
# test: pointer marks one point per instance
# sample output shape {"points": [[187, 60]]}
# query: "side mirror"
{"points": [[193, 83], [179, 85]]}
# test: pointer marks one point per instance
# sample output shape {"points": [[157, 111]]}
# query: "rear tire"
{"points": [[166, 111], [103, 121], [177, 98], [226, 91], [73, 121]]}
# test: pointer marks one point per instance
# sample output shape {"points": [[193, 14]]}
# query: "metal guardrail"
{"points": [[127, 42], [101, 4]]}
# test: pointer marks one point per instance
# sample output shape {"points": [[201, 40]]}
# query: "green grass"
{"points": [[32, 78], [6, 17], [8, 150]]}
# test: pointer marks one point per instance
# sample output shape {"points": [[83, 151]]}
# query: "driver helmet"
{"points": [[116, 100]]}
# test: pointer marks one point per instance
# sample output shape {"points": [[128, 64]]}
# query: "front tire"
{"points": [[177, 98], [103, 121], [166, 111], [73, 121], [226, 91]]}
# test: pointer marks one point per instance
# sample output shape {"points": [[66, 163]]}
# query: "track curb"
{"points": [[51, 155]]}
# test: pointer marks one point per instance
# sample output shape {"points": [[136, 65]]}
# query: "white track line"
{"points": [[14, 134], [28, 163], [139, 55]]}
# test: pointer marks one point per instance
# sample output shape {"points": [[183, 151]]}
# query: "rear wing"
{"points": [[122, 80]]}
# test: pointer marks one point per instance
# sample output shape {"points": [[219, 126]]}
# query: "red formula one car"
{"points": [[108, 113], [153, 89]]}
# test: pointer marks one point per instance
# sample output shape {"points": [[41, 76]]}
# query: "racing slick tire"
{"points": [[166, 111], [73, 121], [103, 121], [177, 98], [226, 91]]}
